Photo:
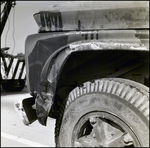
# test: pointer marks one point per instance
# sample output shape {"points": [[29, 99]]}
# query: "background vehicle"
{"points": [[89, 68], [13, 76], [12, 67]]}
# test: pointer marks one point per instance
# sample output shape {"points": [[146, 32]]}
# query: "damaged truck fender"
{"points": [[55, 63]]}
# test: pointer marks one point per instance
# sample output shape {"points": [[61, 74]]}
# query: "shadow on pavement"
{"points": [[3, 93]]}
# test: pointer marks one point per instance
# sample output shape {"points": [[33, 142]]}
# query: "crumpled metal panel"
{"points": [[37, 58], [118, 18]]}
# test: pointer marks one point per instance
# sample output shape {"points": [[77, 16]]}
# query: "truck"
{"points": [[88, 68], [12, 73], [13, 77]]}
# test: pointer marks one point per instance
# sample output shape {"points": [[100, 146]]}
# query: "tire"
{"points": [[104, 113], [13, 86]]}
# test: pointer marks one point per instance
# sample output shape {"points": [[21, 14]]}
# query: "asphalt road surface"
{"points": [[14, 133]]}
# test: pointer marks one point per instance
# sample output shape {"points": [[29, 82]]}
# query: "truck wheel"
{"points": [[13, 86], [110, 112]]}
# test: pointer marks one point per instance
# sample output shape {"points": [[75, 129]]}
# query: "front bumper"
{"points": [[26, 110]]}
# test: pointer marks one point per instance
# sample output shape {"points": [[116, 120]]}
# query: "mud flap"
{"points": [[26, 111]]}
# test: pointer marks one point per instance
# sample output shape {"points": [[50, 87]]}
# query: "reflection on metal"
{"points": [[91, 45], [19, 108], [26, 110]]}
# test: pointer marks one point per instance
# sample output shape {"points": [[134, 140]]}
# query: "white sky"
{"points": [[24, 23]]}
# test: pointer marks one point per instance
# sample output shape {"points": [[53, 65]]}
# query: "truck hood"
{"points": [[93, 15]]}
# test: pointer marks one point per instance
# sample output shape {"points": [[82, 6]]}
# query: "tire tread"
{"points": [[127, 91]]}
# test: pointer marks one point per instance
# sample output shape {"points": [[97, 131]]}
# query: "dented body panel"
{"points": [[46, 53]]}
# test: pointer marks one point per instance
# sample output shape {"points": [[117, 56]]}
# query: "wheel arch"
{"points": [[58, 62], [52, 70]]}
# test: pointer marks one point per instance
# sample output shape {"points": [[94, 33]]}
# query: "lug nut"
{"points": [[93, 120], [127, 138]]}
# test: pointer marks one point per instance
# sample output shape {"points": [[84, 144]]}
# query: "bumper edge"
{"points": [[26, 111]]}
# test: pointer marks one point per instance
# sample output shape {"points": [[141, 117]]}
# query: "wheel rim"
{"points": [[103, 129]]}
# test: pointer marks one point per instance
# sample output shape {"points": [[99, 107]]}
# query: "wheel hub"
{"points": [[103, 131]]}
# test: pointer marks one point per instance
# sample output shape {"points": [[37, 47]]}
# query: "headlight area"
{"points": [[26, 110], [33, 108]]}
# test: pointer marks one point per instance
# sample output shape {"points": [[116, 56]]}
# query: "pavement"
{"points": [[14, 133]]}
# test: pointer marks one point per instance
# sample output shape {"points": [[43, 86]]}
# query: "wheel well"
{"points": [[88, 65]]}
